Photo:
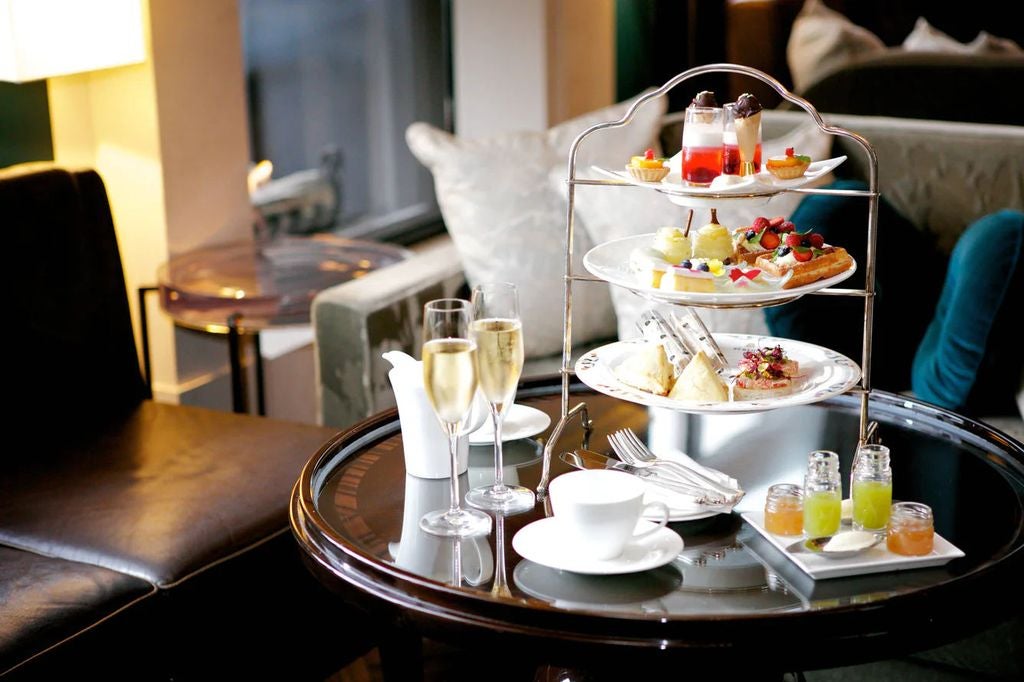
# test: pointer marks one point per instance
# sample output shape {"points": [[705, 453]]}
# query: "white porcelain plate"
{"points": [[753, 190], [678, 512], [610, 261], [877, 559], [522, 421], [543, 542], [823, 374]]}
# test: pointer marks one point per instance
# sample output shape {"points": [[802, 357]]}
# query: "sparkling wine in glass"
{"points": [[498, 333], [450, 380]]}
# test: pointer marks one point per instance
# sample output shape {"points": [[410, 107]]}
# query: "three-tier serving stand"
{"points": [[866, 429]]}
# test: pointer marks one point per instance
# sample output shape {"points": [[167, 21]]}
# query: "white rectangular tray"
{"points": [[878, 559]]}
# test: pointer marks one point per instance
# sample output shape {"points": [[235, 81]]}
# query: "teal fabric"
{"points": [[908, 278], [966, 358]]}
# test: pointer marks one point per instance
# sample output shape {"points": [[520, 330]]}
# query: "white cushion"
{"points": [[927, 38], [616, 212], [508, 221], [822, 41]]}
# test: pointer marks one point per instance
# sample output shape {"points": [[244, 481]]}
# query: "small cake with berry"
{"points": [[647, 168], [695, 275], [807, 257], [788, 167], [765, 373], [762, 236]]}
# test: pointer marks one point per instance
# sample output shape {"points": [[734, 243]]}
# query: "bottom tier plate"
{"points": [[824, 374]]}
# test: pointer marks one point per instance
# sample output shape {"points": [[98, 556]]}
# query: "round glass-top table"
{"points": [[268, 284], [730, 601], [246, 287]]}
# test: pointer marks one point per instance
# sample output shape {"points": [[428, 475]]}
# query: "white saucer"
{"points": [[520, 422], [542, 542]]}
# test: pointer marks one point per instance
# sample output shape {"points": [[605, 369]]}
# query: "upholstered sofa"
{"points": [[138, 540], [922, 165]]}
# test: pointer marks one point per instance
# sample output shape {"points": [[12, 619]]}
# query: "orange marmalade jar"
{"points": [[911, 529], [784, 509]]}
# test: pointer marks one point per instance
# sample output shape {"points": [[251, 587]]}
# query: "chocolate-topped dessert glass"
{"points": [[702, 140], [747, 122], [731, 148]]}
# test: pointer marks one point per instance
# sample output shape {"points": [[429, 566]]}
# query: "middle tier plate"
{"points": [[610, 261], [823, 374]]}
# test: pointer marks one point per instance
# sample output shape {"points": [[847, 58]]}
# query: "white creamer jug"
{"points": [[424, 441]]}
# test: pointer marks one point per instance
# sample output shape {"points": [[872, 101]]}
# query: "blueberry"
{"points": [[782, 250], [703, 267], [750, 234], [805, 242], [686, 264]]}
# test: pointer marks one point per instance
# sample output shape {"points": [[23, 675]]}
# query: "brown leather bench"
{"points": [[137, 539]]}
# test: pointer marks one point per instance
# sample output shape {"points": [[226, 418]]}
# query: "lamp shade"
{"points": [[44, 38]]}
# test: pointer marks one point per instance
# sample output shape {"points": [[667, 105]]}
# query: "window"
{"points": [[332, 86]]}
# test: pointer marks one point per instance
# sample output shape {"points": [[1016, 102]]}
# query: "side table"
{"points": [[241, 289]]}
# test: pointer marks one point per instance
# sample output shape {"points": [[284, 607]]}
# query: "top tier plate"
{"points": [[610, 261], [754, 190]]}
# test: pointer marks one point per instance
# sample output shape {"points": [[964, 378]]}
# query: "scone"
{"points": [[648, 369], [699, 382]]}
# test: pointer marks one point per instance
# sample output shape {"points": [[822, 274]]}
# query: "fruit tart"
{"points": [[807, 256], [761, 237], [788, 167], [765, 373], [647, 168]]}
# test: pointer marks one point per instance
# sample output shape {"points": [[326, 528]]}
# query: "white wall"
{"points": [[529, 64]]}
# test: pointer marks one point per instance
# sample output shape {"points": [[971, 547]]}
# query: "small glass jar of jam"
{"points": [[822, 494], [784, 509], [911, 529], [871, 488]]}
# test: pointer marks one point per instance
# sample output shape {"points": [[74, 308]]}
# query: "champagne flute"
{"points": [[449, 377], [498, 333]]}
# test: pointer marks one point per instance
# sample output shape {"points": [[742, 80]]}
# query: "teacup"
{"points": [[598, 511]]}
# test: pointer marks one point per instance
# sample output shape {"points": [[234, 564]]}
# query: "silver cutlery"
{"points": [[588, 459], [628, 446]]}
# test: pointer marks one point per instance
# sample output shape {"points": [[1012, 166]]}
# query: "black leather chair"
{"points": [[137, 539]]}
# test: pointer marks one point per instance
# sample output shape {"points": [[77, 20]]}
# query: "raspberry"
{"points": [[787, 226], [817, 241], [793, 239], [760, 223]]}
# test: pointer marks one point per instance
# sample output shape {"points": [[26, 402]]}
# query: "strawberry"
{"points": [[649, 154], [793, 239], [802, 255], [759, 224], [817, 241], [776, 221], [787, 226], [770, 239]]}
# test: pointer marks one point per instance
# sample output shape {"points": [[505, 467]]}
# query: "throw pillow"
{"points": [[508, 222], [904, 295], [615, 212], [927, 38], [822, 41]]}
